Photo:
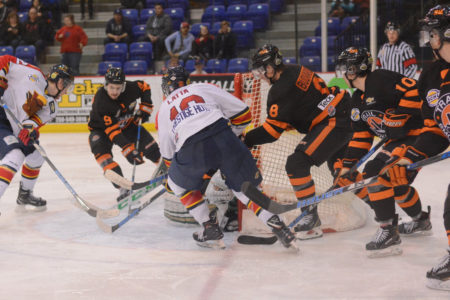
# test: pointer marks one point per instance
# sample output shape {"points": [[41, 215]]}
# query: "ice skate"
{"points": [[283, 233], [309, 226], [26, 201], [211, 236], [385, 241], [439, 276], [230, 221], [422, 226]]}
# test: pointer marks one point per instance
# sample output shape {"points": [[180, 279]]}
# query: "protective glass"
{"points": [[342, 69], [259, 72]]}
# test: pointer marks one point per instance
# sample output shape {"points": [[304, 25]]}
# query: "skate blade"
{"points": [[418, 233], [389, 251], [308, 235], [29, 208], [294, 248], [436, 284], [217, 244]]}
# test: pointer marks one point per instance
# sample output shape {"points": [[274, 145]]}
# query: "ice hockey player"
{"points": [[385, 104], [198, 125], [298, 98], [31, 96], [114, 120], [434, 90]]}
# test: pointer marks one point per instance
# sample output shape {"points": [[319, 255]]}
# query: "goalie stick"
{"points": [[277, 208], [91, 209]]}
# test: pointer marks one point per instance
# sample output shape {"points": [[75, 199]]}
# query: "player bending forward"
{"points": [[31, 97], [113, 120], [434, 90], [298, 98], [195, 137]]}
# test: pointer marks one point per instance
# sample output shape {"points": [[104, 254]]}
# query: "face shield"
{"points": [[259, 72], [343, 69]]}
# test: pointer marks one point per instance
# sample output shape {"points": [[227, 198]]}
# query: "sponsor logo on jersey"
{"points": [[442, 114], [370, 101], [432, 97], [33, 78], [324, 103], [374, 119], [355, 115]]}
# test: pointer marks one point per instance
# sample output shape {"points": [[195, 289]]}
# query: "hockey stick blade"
{"points": [[112, 228], [256, 240], [277, 208], [127, 184]]}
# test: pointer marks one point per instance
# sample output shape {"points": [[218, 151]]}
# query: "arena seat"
{"points": [[259, 14], [103, 66], [214, 13], [115, 52], [26, 53], [135, 67], [216, 66], [238, 65], [141, 51]]}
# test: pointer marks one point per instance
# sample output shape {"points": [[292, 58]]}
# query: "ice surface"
{"points": [[62, 254]]}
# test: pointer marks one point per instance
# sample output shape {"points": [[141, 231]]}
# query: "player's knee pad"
{"points": [[298, 164], [8, 144], [99, 143], [34, 160], [13, 159], [151, 151]]}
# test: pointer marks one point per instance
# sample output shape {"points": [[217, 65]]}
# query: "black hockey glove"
{"points": [[3, 85], [341, 174], [395, 124], [132, 155], [141, 116]]}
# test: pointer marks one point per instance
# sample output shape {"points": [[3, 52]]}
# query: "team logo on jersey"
{"points": [[33, 78], [355, 115], [331, 110], [374, 119], [370, 100], [432, 97], [442, 113]]}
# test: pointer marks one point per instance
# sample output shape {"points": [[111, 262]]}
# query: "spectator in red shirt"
{"points": [[73, 39], [203, 45]]}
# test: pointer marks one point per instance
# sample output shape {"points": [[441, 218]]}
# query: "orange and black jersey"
{"points": [[111, 116], [384, 90], [300, 99], [434, 90]]}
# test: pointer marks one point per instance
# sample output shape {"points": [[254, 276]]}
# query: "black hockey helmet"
{"points": [[174, 78], [354, 61], [391, 26], [63, 72], [267, 55], [437, 18], [115, 76]]}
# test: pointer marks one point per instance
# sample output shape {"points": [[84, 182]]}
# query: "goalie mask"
{"points": [[63, 72], [435, 24], [175, 78], [266, 55]]}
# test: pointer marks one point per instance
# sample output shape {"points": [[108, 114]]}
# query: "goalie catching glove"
{"points": [[394, 172], [28, 133], [132, 155]]}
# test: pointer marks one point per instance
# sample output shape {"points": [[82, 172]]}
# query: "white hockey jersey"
{"points": [[23, 78], [191, 108]]}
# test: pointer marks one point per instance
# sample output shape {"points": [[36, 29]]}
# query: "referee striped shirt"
{"points": [[399, 58]]}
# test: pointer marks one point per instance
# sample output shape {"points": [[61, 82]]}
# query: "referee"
{"points": [[396, 55]]}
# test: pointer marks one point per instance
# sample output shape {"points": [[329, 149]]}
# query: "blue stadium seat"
{"points": [[259, 14], [216, 66], [214, 13], [184, 4], [138, 31], [177, 15], [333, 26], [289, 60], [215, 28], [135, 67], [26, 53], [6, 50], [244, 33], [103, 66], [311, 46], [311, 62], [331, 61], [250, 2], [331, 45], [276, 6], [115, 52], [132, 15], [145, 14], [218, 2], [236, 12], [232, 2], [359, 40], [189, 65], [195, 28], [25, 5], [347, 21], [238, 65], [23, 16], [141, 51], [151, 3]]}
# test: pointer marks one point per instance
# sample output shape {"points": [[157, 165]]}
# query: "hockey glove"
{"points": [[3, 85], [34, 103], [341, 174], [28, 133], [394, 173], [395, 124], [132, 155], [144, 113]]}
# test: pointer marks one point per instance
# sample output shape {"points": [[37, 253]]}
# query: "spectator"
{"points": [[203, 45], [139, 4], [198, 64], [179, 43], [90, 9], [34, 33], [3, 12], [73, 39], [55, 9], [158, 27], [342, 8], [12, 31], [12, 5], [225, 42], [396, 55], [118, 29], [45, 20]]}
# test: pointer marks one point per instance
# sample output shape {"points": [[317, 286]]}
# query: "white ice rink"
{"points": [[62, 254]]}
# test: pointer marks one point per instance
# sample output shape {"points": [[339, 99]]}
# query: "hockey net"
{"points": [[340, 213]]}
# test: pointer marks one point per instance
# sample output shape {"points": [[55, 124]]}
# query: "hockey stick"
{"points": [[127, 184], [91, 209], [133, 174], [111, 228], [277, 208]]}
